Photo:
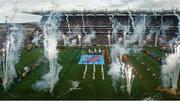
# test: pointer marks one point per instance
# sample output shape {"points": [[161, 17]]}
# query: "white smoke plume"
{"points": [[88, 38], [50, 31], [11, 53], [171, 65], [37, 38], [115, 26], [117, 70], [139, 30], [117, 66], [163, 30]]}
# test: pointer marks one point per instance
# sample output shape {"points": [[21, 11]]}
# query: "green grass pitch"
{"points": [[143, 87]]}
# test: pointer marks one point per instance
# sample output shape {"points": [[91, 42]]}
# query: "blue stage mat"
{"points": [[92, 59]]}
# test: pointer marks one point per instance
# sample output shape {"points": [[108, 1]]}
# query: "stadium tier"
{"points": [[102, 23]]}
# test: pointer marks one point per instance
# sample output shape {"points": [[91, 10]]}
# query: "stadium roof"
{"points": [[111, 12], [21, 18]]}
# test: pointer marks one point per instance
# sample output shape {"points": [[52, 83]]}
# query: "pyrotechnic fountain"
{"points": [[37, 38], [120, 71], [149, 36], [171, 64], [124, 38], [116, 72], [171, 67], [79, 39], [64, 39], [117, 66], [89, 37], [73, 42], [139, 27], [109, 38], [50, 30], [132, 19], [129, 78], [139, 30], [11, 53], [163, 28], [156, 38], [83, 25], [69, 40], [67, 20], [116, 26]]}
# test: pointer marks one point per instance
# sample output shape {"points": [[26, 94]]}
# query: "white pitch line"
{"points": [[102, 71], [85, 71], [94, 71]]}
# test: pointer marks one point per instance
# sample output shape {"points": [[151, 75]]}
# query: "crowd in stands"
{"points": [[124, 20]]}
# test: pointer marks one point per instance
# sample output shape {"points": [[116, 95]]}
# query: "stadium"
{"points": [[92, 55]]}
